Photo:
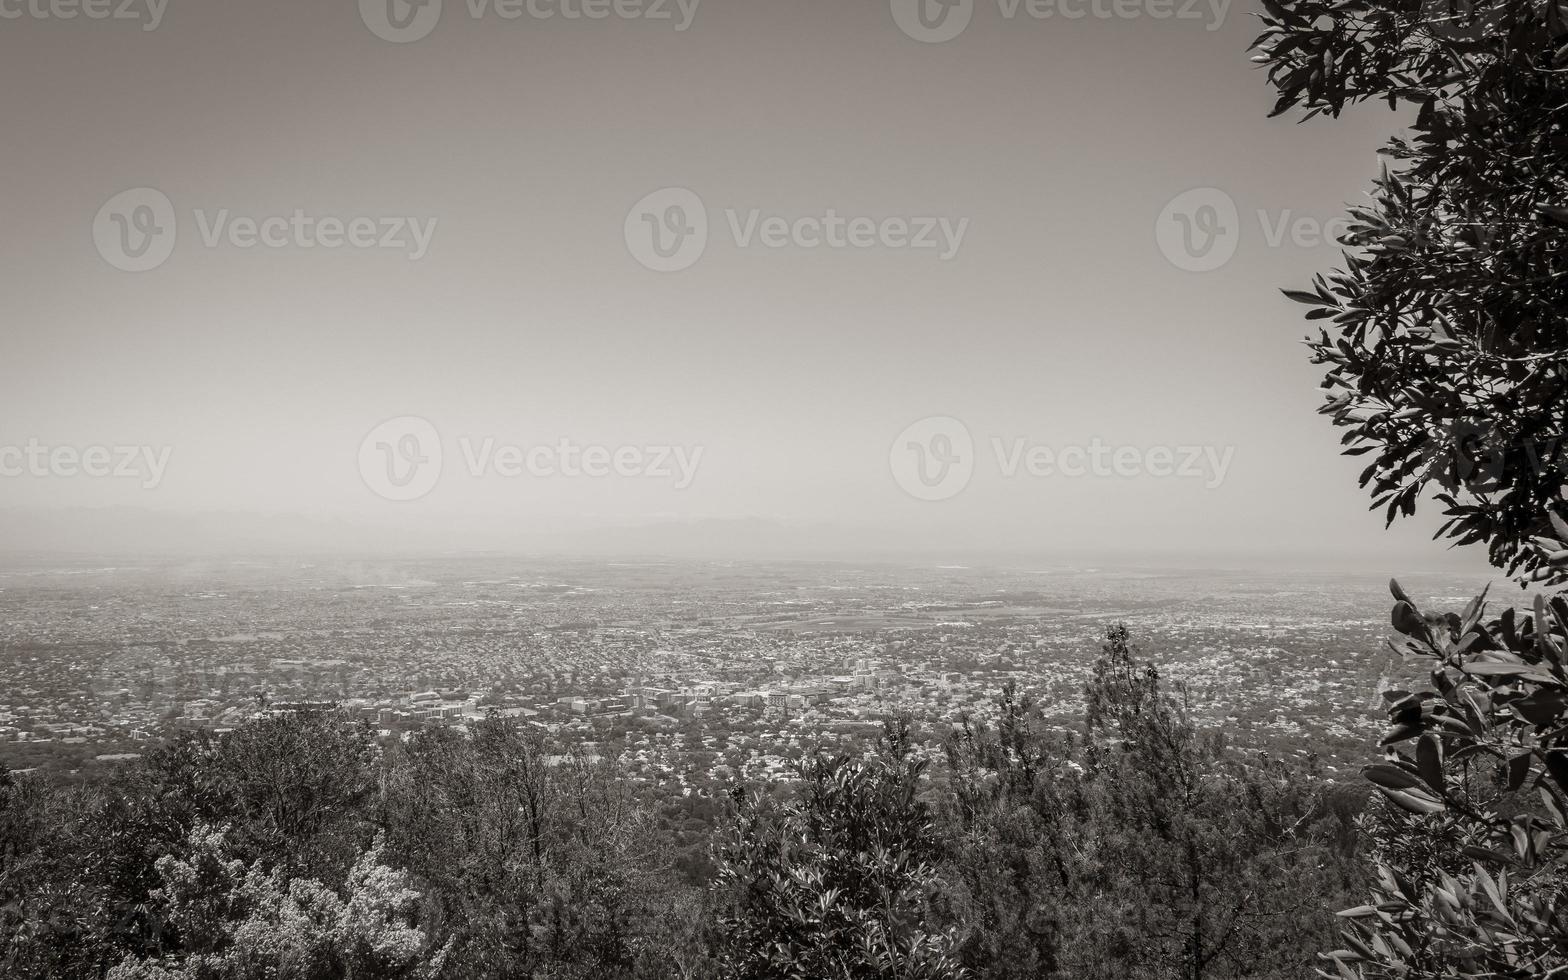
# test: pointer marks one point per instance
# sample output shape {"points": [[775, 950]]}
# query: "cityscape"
{"points": [[689, 675]]}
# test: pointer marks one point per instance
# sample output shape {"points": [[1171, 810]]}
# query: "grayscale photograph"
{"points": [[784, 490]]}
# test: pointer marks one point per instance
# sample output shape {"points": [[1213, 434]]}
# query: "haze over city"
{"points": [[506, 162]]}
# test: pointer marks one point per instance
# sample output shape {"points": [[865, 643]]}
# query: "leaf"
{"points": [[1542, 707], [1472, 613], [1429, 758], [1521, 835], [1414, 801], [1405, 619], [1559, 610], [1557, 766], [1497, 668], [1390, 777], [1518, 771], [1485, 854], [1344, 971], [1399, 733], [1554, 214], [1399, 593], [1493, 892], [1543, 631], [1558, 817], [1559, 525]]}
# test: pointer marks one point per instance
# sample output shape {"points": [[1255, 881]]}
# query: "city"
{"points": [[689, 675]]}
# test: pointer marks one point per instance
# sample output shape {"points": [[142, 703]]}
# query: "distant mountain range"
{"points": [[124, 531]]}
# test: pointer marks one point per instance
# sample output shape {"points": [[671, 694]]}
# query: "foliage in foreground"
{"points": [[837, 881], [299, 845], [1446, 333], [1146, 848], [1446, 340], [1472, 848], [246, 923]]}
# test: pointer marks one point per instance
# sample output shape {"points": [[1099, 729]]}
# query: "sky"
{"points": [[993, 276]]}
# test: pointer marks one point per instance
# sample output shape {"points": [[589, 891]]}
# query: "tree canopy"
{"points": [[1446, 341], [1445, 334]]}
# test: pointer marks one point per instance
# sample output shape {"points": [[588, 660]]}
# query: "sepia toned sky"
{"points": [[1045, 306]]}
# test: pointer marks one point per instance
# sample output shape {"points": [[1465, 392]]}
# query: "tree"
{"points": [[240, 923], [300, 786], [203, 859], [1446, 333], [1015, 806], [540, 865], [75, 867], [1446, 336], [1471, 849], [835, 882], [1205, 862], [1147, 848]]}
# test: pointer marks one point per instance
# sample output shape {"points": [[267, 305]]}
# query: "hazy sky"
{"points": [[501, 159]]}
